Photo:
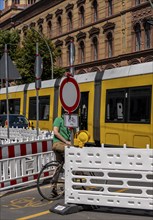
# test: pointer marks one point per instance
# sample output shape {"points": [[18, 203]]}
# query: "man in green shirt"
{"points": [[61, 138]]}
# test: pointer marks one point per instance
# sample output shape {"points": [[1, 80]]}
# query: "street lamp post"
{"points": [[51, 57]]}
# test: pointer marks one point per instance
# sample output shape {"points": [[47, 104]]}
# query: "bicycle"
{"points": [[50, 181]]}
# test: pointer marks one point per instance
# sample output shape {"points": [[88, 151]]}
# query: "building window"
{"points": [[59, 24], [15, 1], [70, 21], [95, 10], [130, 105], [82, 16], [110, 44], [138, 37], [81, 52], [49, 29], [40, 29], [94, 49], [30, 2], [110, 7], [137, 2], [68, 54], [147, 30], [59, 58]]}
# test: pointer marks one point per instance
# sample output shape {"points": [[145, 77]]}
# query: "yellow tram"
{"points": [[116, 105]]}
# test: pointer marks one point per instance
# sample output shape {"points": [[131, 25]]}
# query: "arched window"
{"points": [[110, 7], [59, 58], [95, 10], [68, 54], [49, 28], [147, 38], [82, 16], [94, 48], [70, 21], [110, 44], [40, 29], [81, 52], [59, 24], [137, 37], [137, 2]]}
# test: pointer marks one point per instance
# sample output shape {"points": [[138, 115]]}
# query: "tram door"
{"points": [[82, 111]]}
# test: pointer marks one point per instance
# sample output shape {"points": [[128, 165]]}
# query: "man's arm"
{"points": [[59, 136]]}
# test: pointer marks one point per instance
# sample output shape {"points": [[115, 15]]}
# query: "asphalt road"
{"points": [[27, 204]]}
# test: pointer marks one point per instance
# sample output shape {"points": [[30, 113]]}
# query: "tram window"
{"points": [[14, 106], [139, 104], [3, 107], [44, 105], [115, 105], [82, 111], [129, 105]]}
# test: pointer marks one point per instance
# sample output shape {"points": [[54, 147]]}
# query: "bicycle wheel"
{"points": [[51, 175]]}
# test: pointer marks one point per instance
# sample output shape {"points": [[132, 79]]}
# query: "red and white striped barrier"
{"points": [[26, 148], [21, 163]]}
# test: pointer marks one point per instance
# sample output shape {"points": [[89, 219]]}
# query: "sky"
{"points": [[1, 4]]}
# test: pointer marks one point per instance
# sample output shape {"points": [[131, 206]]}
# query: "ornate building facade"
{"points": [[106, 33]]}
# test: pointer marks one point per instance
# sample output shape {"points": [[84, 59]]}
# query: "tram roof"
{"points": [[131, 70]]}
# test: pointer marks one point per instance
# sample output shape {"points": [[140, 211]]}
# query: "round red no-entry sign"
{"points": [[69, 94]]}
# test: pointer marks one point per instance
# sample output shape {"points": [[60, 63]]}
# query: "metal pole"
{"points": [[72, 56], [37, 91], [7, 101], [51, 57]]}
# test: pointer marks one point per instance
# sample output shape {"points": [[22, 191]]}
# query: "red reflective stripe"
{"points": [[25, 179], [13, 182], [0, 153], [35, 176], [2, 185], [11, 152], [46, 173], [44, 146], [23, 149], [34, 148]]}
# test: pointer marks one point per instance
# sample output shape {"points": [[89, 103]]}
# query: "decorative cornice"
{"points": [[40, 21], [58, 43], [80, 2], [68, 39], [25, 27], [94, 31], [32, 24], [58, 12], [81, 35], [49, 17], [69, 7], [108, 26]]}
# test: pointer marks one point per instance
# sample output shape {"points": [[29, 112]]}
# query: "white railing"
{"points": [[20, 163], [22, 134], [109, 177]]}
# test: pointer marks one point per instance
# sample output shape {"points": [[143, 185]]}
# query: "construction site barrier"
{"points": [[115, 177], [20, 163]]}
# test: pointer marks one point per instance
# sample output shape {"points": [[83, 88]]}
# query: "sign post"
{"points": [[70, 99]]}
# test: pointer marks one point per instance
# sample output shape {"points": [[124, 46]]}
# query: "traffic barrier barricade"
{"points": [[115, 177], [20, 163]]}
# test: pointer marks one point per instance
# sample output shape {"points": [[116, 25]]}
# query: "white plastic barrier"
{"points": [[109, 177], [20, 163], [22, 134]]}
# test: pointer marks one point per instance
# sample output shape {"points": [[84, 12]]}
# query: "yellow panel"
{"points": [[141, 141], [112, 138]]}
